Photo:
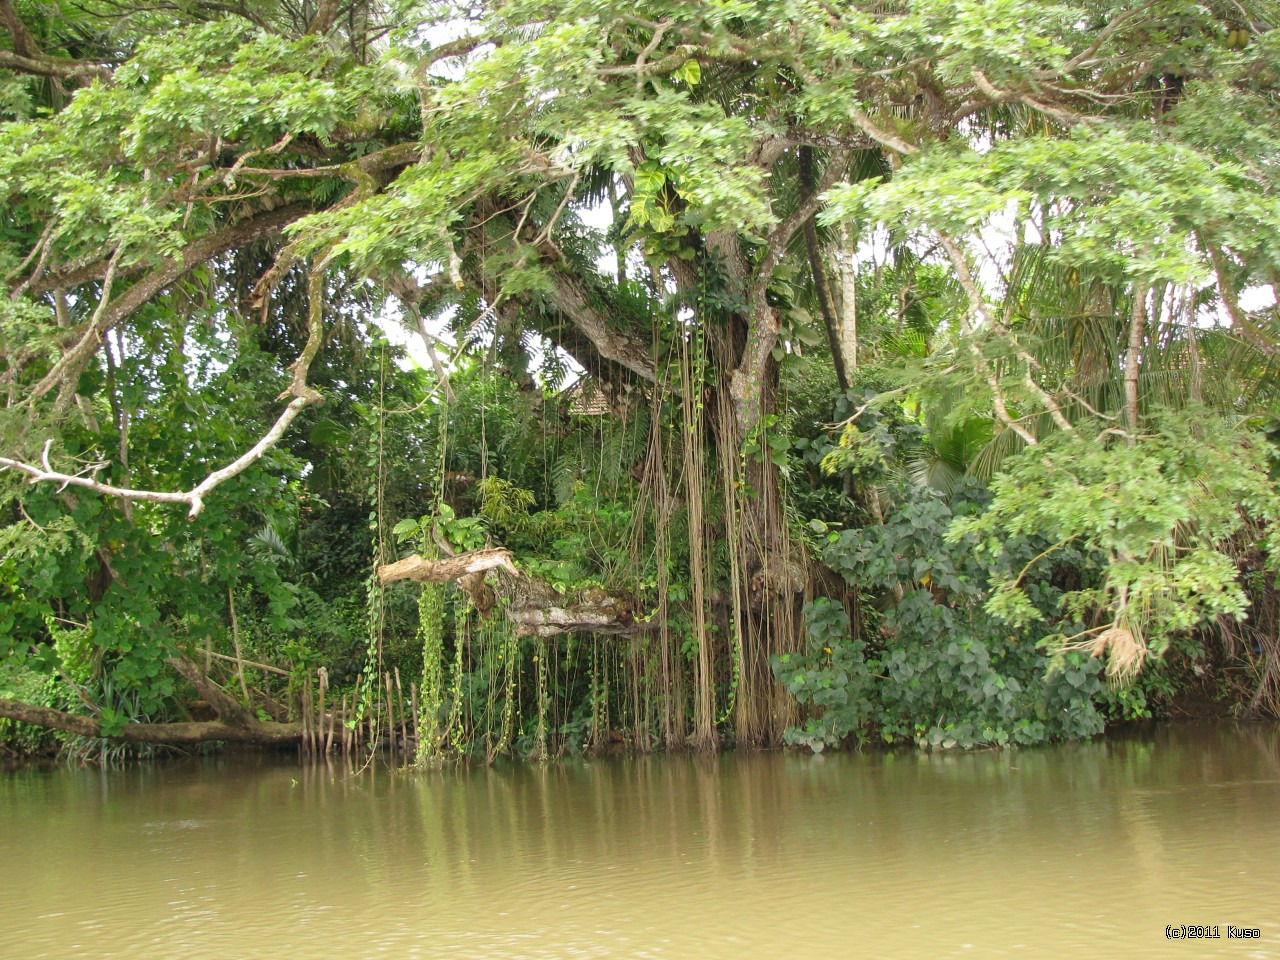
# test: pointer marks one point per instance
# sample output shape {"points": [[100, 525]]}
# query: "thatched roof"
{"points": [[586, 398]]}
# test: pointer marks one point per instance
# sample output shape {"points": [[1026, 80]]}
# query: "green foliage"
{"points": [[941, 672], [21, 683], [1161, 513], [831, 674]]}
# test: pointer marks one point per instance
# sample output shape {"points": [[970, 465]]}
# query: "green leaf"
{"points": [[405, 529], [690, 72]]}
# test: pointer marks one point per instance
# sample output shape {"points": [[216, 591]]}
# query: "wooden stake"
{"points": [[355, 713], [413, 703], [346, 743], [391, 715], [404, 729], [328, 742], [320, 709], [304, 710]]}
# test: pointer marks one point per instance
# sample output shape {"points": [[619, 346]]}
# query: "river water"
{"points": [[1085, 850]]}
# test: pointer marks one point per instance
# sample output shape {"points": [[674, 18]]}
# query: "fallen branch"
{"points": [[263, 734], [235, 722]]}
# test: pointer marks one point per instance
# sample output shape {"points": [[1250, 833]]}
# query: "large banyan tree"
{"points": [[205, 203]]}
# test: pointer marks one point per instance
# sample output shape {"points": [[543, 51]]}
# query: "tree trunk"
{"points": [[766, 570], [847, 305], [1133, 358]]}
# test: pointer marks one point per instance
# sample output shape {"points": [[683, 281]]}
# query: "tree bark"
{"points": [[1133, 357], [420, 570], [847, 309], [592, 611], [818, 270]]}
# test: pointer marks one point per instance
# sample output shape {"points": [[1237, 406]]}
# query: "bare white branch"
{"points": [[303, 396]]}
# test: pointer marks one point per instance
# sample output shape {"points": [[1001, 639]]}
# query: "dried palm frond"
{"points": [[1125, 653]]}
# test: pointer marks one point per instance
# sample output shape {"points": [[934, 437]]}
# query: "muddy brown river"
{"points": [[1100, 849]]}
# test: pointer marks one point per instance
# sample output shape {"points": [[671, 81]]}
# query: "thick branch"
{"points": [[420, 570], [24, 44], [880, 135], [194, 498], [52, 67], [303, 396], [776, 245], [570, 298], [27, 57], [48, 475], [1240, 321], [459, 47], [113, 311], [196, 252], [230, 711], [326, 14]]}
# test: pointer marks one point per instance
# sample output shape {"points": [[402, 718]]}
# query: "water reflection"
{"points": [[1082, 850]]}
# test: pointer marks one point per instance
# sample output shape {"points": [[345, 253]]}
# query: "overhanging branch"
{"points": [[303, 396], [569, 296]]}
